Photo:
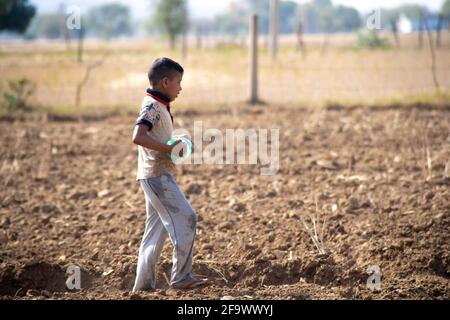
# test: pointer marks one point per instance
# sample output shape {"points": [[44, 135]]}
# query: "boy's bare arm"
{"points": [[141, 138]]}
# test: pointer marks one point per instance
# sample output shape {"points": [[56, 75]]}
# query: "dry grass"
{"points": [[217, 75], [315, 229]]}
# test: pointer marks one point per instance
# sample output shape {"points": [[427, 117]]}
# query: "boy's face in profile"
{"points": [[171, 86]]}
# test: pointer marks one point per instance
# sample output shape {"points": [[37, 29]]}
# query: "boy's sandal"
{"points": [[190, 283]]}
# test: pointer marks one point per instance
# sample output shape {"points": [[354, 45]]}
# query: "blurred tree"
{"points": [[322, 3], [387, 16], [15, 15], [201, 27], [308, 14], [314, 16], [446, 8], [327, 19], [64, 30], [50, 26], [262, 9], [171, 17], [109, 20], [412, 11], [322, 16], [234, 22], [346, 19], [5, 6], [45, 26], [444, 16], [287, 16]]}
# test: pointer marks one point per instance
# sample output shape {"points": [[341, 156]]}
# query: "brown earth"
{"points": [[380, 177]]}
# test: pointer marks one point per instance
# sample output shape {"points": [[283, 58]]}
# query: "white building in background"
{"points": [[404, 25]]}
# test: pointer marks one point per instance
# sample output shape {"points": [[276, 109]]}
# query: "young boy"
{"points": [[168, 211]]}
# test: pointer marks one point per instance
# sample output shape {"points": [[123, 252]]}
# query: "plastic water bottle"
{"points": [[187, 147]]}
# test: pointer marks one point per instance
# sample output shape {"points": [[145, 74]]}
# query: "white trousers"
{"points": [[168, 213]]}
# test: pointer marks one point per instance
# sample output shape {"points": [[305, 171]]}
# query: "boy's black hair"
{"points": [[163, 67]]}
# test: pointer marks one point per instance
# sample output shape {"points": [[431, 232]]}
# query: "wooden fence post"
{"points": [[274, 17], [254, 59]]}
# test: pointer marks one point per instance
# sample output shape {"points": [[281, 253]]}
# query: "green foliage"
{"points": [[411, 11], [315, 16], [235, 21], [46, 26], [346, 19], [16, 98], [370, 39], [171, 17], [288, 18], [109, 20], [446, 8], [322, 3], [322, 16], [262, 9], [15, 15], [287, 10], [51, 26], [5, 6]]}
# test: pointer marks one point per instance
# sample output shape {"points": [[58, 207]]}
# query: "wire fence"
{"points": [[219, 75]]}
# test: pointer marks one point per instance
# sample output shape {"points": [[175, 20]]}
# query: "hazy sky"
{"points": [[208, 8]]}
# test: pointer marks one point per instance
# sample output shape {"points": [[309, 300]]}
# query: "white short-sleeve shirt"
{"points": [[155, 113]]}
